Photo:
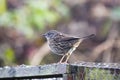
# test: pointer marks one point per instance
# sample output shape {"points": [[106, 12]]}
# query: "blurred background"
{"points": [[22, 23]]}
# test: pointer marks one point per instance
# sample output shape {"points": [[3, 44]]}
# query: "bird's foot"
{"points": [[62, 62]]}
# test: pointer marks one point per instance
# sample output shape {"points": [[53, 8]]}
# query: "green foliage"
{"points": [[2, 6], [99, 74], [9, 56], [41, 14], [34, 16]]}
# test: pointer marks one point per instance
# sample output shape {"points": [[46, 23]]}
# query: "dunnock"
{"points": [[62, 44]]}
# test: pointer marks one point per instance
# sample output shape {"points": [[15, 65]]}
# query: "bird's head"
{"points": [[51, 34]]}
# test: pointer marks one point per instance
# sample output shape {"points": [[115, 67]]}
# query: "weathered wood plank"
{"points": [[74, 71], [29, 71]]}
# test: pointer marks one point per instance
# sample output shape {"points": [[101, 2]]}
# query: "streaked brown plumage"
{"points": [[62, 44]]}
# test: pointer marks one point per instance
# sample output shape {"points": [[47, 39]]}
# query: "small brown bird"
{"points": [[62, 44]]}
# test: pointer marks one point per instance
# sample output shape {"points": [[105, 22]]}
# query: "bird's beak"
{"points": [[44, 36]]}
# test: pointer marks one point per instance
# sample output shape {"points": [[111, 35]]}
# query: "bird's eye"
{"points": [[50, 34]]}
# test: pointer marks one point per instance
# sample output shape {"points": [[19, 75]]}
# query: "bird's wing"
{"points": [[71, 39], [74, 39], [68, 42]]}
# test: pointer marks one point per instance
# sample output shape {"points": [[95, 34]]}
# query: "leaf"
{"points": [[2, 6], [9, 55]]}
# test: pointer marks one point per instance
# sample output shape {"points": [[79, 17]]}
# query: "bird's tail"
{"points": [[88, 36]]}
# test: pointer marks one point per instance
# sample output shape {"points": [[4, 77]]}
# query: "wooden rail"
{"points": [[76, 71]]}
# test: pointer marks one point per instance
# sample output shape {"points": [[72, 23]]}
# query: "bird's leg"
{"points": [[72, 49], [62, 58], [70, 52], [68, 56]]}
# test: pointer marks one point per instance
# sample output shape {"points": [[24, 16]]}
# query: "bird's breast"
{"points": [[56, 48]]}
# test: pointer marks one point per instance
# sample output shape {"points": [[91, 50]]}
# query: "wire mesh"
{"points": [[99, 71], [101, 74]]}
